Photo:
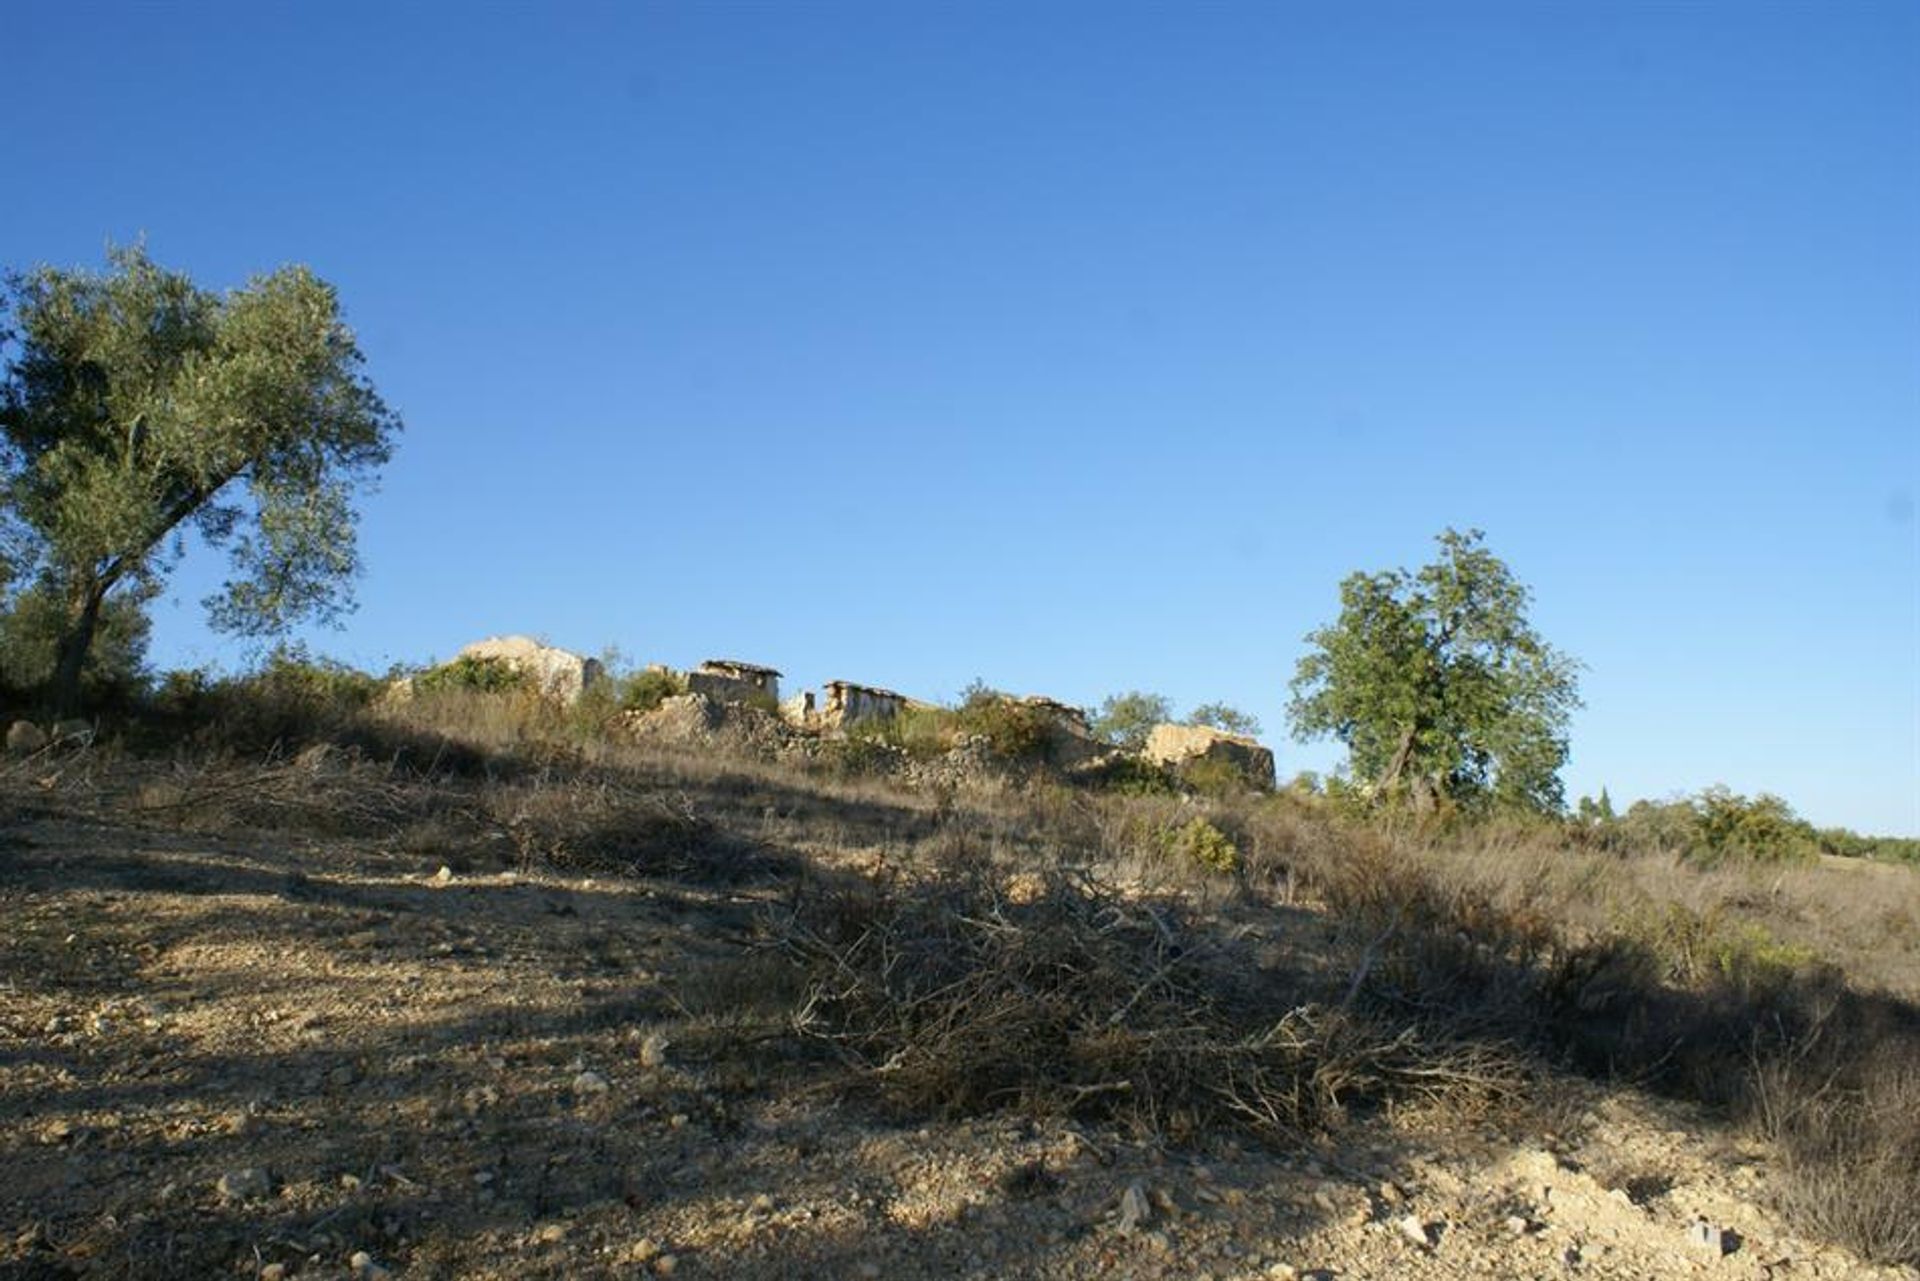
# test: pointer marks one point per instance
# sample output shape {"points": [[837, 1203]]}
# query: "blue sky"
{"points": [[1082, 347]]}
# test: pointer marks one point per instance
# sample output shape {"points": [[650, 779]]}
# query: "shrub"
{"points": [[1215, 776], [1201, 843], [1764, 829], [471, 674], [1012, 729], [646, 690]]}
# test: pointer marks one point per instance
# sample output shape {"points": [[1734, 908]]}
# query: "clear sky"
{"points": [[1082, 347]]}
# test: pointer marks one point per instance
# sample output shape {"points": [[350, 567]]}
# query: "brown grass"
{"points": [[1036, 946]]}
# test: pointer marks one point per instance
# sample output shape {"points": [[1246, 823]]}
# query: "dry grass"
{"points": [[999, 965], [970, 990]]}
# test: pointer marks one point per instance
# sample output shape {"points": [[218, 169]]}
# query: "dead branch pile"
{"points": [[954, 995], [323, 791]]}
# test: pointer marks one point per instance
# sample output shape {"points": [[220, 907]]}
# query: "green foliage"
{"points": [[1845, 843], [1229, 719], [646, 690], [294, 675], [1126, 719], [1438, 686], [471, 674], [30, 626], [1217, 776], [1134, 776], [1012, 729], [1200, 842], [1699, 949], [137, 405], [1763, 830], [1713, 826]]}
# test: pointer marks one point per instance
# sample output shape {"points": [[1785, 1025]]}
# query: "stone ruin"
{"points": [[851, 704], [1179, 747], [560, 674], [721, 689], [727, 680]]}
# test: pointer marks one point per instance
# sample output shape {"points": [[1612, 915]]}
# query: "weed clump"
{"points": [[1201, 844]]}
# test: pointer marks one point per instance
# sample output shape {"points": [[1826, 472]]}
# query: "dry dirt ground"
{"points": [[259, 1053]]}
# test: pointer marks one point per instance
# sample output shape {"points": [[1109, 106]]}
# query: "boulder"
{"points": [[24, 738], [1181, 746], [561, 674]]}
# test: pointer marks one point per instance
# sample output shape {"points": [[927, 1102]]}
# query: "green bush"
{"points": [[1012, 729], [1200, 842], [1764, 829], [467, 673], [644, 691], [30, 624], [1125, 720], [293, 675], [1216, 776]]}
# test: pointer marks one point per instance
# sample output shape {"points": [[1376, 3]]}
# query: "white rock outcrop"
{"points": [[1179, 746]]}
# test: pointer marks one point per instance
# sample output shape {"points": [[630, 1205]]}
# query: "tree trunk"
{"points": [[1401, 754], [76, 639]]}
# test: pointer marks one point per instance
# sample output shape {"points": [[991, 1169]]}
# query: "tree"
{"points": [[1126, 719], [1222, 717], [1438, 686], [136, 406]]}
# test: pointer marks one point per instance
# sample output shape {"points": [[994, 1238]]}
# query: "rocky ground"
{"points": [[270, 1054]]}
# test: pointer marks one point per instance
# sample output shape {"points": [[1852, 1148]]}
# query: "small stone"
{"points": [[1517, 1225], [590, 1083], [351, 1182], [551, 1234], [665, 1264], [1415, 1231], [244, 1185], [1390, 1193], [341, 1077], [444, 876], [643, 1250], [1282, 1272], [24, 738], [1708, 1239], [273, 1272], [762, 1204], [1134, 1209]]}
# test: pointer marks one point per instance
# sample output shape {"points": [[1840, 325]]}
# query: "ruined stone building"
{"points": [[728, 681], [851, 704]]}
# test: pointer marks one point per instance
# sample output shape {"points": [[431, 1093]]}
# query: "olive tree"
{"points": [[1438, 685], [1126, 719], [136, 406]]}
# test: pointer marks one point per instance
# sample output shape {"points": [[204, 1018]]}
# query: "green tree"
{"points": [[1438, 686], [1222, 717], [1126, 719], [136, 406]]}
